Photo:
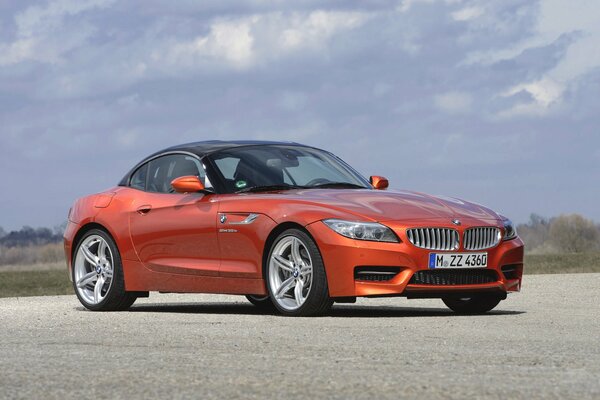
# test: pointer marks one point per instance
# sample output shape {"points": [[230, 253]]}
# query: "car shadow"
{"points": [[338, 311], [201, 308], [395, 312]]}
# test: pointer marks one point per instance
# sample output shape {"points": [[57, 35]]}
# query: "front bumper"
{"points": [[68, 238], [342, 256]]}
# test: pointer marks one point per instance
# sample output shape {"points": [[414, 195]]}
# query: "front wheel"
{"points": [[261, 302], [98, 274], [472, 305], [296, 279]]}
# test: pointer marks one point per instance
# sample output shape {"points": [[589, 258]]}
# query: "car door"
{"points": [[242, 231], [174, 232]]}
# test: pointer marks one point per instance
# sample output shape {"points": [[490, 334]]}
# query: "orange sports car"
{"points": [[289, 226]]}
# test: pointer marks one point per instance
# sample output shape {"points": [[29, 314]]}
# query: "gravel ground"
{"points": [[541, 343]]}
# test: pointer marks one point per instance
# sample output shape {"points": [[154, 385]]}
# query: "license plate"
{"points": [[458, 260]]}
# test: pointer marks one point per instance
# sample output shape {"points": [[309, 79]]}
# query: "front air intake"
{"points": [[375, 274], [511, 271], [457, 277]]}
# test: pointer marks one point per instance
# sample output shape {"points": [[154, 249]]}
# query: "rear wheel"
{"points": [[296, 279], [98, 274], [472, 305]]}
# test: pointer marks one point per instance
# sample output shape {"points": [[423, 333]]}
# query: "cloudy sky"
{"points": [[493, 101]]}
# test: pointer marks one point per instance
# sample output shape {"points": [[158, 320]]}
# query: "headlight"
{"points": [[362, 230], [510, 232]]}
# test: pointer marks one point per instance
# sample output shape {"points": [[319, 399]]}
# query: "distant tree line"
{"points": [[32, 246], [28, 236], [563, 234]]}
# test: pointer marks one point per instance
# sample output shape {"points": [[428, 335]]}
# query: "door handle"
{"points": [[145, 209]]}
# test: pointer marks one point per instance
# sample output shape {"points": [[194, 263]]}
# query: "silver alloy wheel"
{"points": [[290, 273], [93, 269]]}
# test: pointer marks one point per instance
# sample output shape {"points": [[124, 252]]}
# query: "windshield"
{"points": [[279, 167]]}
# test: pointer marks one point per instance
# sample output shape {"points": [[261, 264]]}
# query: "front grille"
{"points": [[375, 274], [457, 277], [481, 238], [434, 238]]}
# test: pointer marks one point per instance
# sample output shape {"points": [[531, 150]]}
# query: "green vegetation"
{"points": [[35, 283], [562, 263], [564, 234], [32, 254]]}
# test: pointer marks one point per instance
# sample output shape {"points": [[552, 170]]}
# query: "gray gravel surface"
{"points": [[541, 343]]}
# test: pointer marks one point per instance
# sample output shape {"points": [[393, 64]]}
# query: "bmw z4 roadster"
{"points": [[289, 226]]}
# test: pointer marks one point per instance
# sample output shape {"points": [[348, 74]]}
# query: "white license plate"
{"points": [[458, 260]]}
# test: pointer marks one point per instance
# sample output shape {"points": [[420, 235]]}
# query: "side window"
{"points": [[138, 179], [163, 170]]}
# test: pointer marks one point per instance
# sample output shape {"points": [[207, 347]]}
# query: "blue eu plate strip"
{"points": [[432, 261]]}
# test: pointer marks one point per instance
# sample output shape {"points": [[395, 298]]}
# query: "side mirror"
{"points": [[187, 184], [379, 182]]}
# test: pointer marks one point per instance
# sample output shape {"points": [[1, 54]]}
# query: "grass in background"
{"points": [[35, 283], [32, 254], [562, 263], [51, 279]]}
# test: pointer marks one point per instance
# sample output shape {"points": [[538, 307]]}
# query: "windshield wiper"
{"points": [[267, 188], [334, 185]]}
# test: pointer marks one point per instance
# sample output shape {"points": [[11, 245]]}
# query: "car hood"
{"points": [[391, 205]]}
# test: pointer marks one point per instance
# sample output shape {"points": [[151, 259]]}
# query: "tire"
{"points": [[261, 302], [472, 305], [98, 274], [295, 275]]}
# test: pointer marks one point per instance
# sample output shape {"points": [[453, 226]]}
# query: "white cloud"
{"points": [[37, 20], [41, 33], [466, 14], [454, 102], [230, 41], [245, 41], [556, 18], [545, 94], [17, 51], [314, 28], [406, 5]]}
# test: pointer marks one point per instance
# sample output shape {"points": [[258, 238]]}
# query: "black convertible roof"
{"points": [[210, 146], [204, 148]]}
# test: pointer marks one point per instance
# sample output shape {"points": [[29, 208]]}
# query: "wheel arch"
{"points": [[85, 229], [282, 227]]}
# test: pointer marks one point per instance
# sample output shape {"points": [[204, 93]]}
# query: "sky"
{"points": [[493, 101]]}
